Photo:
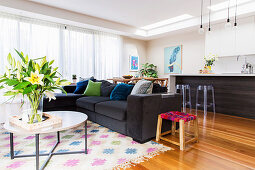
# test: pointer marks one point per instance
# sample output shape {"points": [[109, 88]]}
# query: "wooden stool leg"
{"points": [[173, 127], [182, 135], [196, 128], [159, 128]]}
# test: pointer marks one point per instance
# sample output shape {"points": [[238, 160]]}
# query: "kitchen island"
{"points": [[234, 93]]}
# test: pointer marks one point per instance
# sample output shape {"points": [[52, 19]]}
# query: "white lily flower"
{"points": [[50, 95], [35, 78]]}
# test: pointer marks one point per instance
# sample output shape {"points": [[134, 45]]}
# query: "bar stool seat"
{"points": [[182, 118]]}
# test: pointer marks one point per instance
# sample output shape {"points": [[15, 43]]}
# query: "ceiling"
{"points": [[129, 17], [136, 13]]}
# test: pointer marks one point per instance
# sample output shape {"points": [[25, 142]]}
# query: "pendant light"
{"points": [[235, 24], [209, 29], [228, 24], [201, 29]]}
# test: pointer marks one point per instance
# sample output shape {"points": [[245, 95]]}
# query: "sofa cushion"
{"points": [[106, 88], [121, 92], [142, 87], [93, 89], [82, 85], [89, 102], [114, 109]]}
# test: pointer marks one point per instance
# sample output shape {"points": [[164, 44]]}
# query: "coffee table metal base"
{"points": [[50, 154]]}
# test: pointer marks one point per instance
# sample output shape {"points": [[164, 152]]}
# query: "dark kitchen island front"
{"points": [[234, 93]]}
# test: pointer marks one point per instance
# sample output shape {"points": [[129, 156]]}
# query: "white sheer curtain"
{"points": [[75, 50], [78, 53], [107, 55]]}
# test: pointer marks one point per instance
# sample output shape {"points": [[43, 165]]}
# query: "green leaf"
{"points": [[63, 91], [55, 69], [53, 75], [27, 90], [2, 80], [21, 56], [34, 87], [21, 85], [30, 67], [1, 87], [10, 82], [44, 68], [39, 58], [51, 62], [49, 78], [10, 93]]}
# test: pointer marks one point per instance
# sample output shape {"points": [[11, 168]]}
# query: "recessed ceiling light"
{"points": [[224, 5], [167, 22]]}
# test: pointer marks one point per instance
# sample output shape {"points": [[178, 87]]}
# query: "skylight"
{"points": [[167, 22], [224, 5]]}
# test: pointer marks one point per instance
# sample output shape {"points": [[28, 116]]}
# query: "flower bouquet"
{"points": [[33, 78], [209, 60]]}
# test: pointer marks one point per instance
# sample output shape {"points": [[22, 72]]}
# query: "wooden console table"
{"points": [[162, 81]]}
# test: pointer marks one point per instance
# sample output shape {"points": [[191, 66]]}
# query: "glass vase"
{"points": [[35, 114]]}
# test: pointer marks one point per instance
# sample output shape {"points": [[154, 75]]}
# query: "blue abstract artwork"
{"points": [[134, 63], [173, 59]]}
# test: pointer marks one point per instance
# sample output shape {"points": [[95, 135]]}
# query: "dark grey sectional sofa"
{"points": [[136, 117]]}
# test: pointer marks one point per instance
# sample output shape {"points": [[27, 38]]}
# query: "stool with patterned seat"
{"points": [[182, 118]]}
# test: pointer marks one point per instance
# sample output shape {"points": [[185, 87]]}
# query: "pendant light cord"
{"points": [[236, 12], [210, 14], [202, 4], [228, 8]]}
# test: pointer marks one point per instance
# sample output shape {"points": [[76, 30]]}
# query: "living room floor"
{"points": [[226, 142]]}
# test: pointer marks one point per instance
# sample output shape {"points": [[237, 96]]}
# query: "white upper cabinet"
{"points": [[230, 42]]}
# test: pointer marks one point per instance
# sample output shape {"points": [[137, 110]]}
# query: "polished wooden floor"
{"points": [[226, 142]]}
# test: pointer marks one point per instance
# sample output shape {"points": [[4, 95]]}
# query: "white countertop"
{"points": [[223, 74]]}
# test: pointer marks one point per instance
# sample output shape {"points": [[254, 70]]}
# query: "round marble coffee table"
{"points": [[70, 119]]}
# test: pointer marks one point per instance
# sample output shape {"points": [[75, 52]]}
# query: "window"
{"points": [[75, 51]]}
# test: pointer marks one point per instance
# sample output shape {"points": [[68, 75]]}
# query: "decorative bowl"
{"points": [[127, 76]]}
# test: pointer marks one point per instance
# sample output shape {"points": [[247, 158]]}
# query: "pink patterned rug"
{"points": [[106, 150]]}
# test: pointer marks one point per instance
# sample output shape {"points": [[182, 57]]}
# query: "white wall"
{"points": [[132, 47], [229, 42], [221, 41], [193, 51]]}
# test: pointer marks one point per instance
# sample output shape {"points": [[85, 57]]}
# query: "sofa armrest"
{"points": [[143, 111], [69, 88]]}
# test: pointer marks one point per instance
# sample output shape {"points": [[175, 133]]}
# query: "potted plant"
{"points": [[32, 78], [149, 70], [74, 78]]}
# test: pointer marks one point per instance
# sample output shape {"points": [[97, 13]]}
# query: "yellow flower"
{"points": [[35, 78]]}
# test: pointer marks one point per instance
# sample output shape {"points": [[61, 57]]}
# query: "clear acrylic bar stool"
{"points": [[205, 89], [184, 89]]}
